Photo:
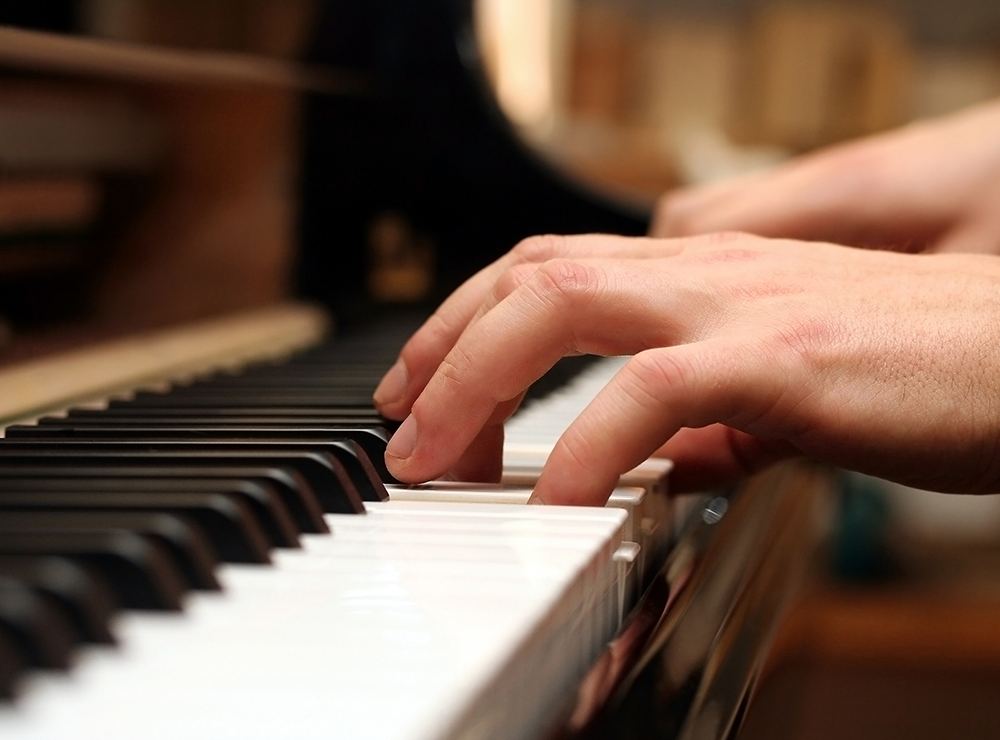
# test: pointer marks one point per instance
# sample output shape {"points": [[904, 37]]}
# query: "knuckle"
{"points": [[450, 376], [540, 248], [723, 242], [423, 345], [647, 375], [511, 279], [455, 367], [581, 450], [424, 407], [565, 281], [804, 336]]}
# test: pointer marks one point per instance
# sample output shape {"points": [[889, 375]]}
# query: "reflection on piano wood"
{"points": [[443, 611]]}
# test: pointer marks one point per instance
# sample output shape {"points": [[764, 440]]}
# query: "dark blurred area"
{"points": [[427, 158], [40, 15]]}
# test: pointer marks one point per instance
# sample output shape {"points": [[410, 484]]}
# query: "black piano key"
{"points": [[235, 535], [319, 358], [222, 396], [119, 408], [352, 384], [263, 490], [220, 418], [371, 435], [330, 487], [41, 632], [376, 427], [267, 412], [87, 601], [316, 401], [186, 545], [319, 364], [364, 446], [298, 370], [251, 388], [314, 471], [139, 569], [366, 475]]}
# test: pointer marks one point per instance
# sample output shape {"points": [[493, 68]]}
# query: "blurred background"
{"points": [[644, 94]]}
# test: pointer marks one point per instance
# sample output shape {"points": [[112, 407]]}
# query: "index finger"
{"points": [[428, 347], [566, 306]]}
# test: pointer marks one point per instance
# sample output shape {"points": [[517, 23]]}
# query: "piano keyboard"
{"points": [[344, 605], [415, 621], [532, 432]]}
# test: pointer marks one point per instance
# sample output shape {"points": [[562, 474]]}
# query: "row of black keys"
{"points": [[133, 505]]}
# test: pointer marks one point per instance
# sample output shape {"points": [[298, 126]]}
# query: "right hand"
{"points": [[746, 351]]}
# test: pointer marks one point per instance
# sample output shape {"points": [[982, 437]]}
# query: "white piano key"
{"points": [[530, 434], [648, 523], [418, 621]]}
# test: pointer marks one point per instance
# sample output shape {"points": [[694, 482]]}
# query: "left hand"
{"points": [[929, 186]]}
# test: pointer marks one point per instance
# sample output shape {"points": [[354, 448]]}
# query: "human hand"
{"points": [[929, 186], [747, 350]]}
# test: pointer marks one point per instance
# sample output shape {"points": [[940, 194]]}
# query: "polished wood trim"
{"points": [[33, 388], [56, 53]]}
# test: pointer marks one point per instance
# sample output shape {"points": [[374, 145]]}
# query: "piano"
{"points": [[197, 534]]}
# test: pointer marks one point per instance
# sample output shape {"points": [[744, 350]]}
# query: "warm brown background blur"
{"points": [[896, 632], [642, 94], [157, 143]]}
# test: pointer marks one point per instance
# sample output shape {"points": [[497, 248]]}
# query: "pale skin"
{"points": [[933, 185], [746, 349]]}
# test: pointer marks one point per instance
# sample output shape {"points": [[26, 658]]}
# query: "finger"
{"points": [[842, 195], [674, 210], [798, 202], [657, 393], [593, 248], [565, 307], [717, 456], [976, 236], [483, 459], [425, 351]]}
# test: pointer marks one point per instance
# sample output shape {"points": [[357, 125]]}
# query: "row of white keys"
{"points": [[530, 435], [418, 621], [645, 539], [542, 420]]}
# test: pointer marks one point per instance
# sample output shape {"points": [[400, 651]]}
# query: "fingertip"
{"points": [[401, 444], [561, 489], [392, 390]]}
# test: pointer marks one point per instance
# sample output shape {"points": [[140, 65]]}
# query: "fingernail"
{"points": [[393, 385], [535, 499], [404, 440]]}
